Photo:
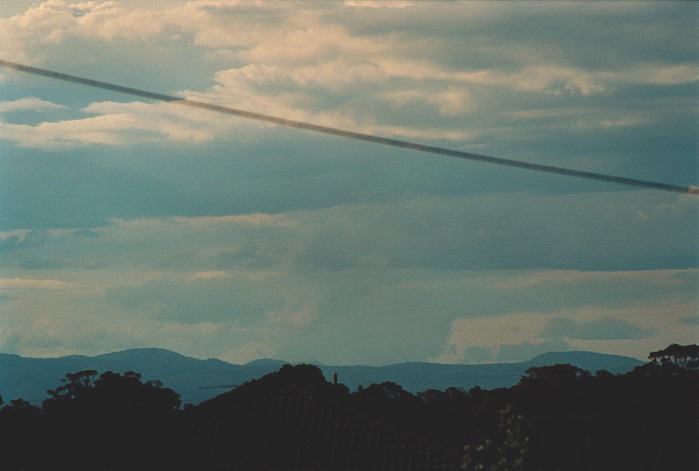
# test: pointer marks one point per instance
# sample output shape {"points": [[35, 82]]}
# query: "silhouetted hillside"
{"points": [[198, 380], [557, 417], [295, 419]]}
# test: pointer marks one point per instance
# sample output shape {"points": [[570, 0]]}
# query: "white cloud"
{"points": [[54, 21], [451, 101], [256, 219], [491, 332], [556, 79], [306, 62], [116, 124], [28, 104], [662, 318], [675, 74]]}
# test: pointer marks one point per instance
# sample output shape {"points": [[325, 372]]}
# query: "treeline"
{"points": [[558, 417]]}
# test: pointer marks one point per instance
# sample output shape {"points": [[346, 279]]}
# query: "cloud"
{"points": [[272, 242], [604, 328], [33, 263], [256, 219], [238, 300], [28, 103], [21, 239], [553, 278], [320, 63], [405, 234], [449, 102], [85, 233], [115, 124], [9, 242], [490, 333], [255, 281], [675, 74], [557, 80], [55, 21], [371, 4], [211, 275], [630, 328], [487, 340], [31, 283], [591, 245]]}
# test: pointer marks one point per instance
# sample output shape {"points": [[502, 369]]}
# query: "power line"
{"points": [[687, 189]]}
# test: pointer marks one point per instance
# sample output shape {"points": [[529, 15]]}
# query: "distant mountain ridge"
{"points": [[198, 380], [591, 361]]}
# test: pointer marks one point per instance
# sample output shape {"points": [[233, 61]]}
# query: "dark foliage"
{"points": [[679, 356], [110, 422], [558, 417]]}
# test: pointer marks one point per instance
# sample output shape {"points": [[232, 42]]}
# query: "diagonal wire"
{"points": [[687, 189]]}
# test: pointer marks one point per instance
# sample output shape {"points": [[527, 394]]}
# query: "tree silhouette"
{"points": [[74, 385], [558, 417], [114, 421], [679, 356], [559, 374]]}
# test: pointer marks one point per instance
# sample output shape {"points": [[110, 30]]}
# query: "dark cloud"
{"points": [[591, 35], [34, 263], [31, 240], [507, 232]]}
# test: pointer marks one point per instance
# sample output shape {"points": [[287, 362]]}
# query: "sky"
{"points": [[129, 223]]}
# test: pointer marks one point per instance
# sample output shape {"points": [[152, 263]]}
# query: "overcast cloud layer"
{"points": [[127, 223]]}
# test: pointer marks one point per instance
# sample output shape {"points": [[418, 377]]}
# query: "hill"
{"points": [[557, 417], [198, 380]]}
